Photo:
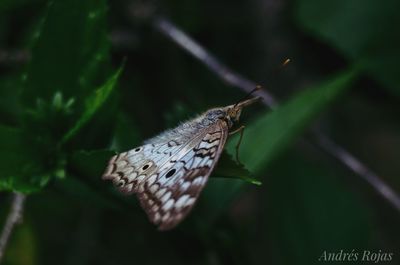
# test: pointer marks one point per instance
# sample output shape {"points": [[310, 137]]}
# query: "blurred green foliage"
{"points": [[67, 109], [361, 30]]}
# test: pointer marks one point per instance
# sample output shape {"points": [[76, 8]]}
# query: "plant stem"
{"points": [[13, 218]]}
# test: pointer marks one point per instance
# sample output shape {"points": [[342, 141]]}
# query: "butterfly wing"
{"points": [[169, 175]]}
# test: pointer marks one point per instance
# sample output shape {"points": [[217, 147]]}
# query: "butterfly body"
{"points": [[169, 171]]}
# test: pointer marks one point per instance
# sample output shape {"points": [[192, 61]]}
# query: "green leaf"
{"points": [[228, 168], [361, 30], [270, 134], [70, 51], [22, 166], [93, 104]]}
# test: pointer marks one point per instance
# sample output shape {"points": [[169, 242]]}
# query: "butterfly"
{"points": [[169, 171]]}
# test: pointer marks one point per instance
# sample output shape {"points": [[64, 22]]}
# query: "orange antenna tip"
{"points": [[286, 62]]}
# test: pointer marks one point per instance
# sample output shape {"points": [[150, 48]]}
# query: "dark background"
{"points": [[55, 55]]}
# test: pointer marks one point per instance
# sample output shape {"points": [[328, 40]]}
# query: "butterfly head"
{"points": [[233, 112], [230, 114]]}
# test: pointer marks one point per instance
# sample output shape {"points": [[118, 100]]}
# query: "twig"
{"points": [[226, 74], [13, 218], [179, 37], [357, 167]]}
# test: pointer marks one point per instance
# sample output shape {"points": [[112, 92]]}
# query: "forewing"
{"points": [[129, 169], [172, 195], [169, 175]]}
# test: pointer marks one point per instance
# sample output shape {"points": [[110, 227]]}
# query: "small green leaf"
{"points": [[93, 104], [228, 168]]}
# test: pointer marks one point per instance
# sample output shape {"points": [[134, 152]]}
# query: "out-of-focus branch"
{"points": [[13, 218], [185, 42], [227, 75], [357, 167]]}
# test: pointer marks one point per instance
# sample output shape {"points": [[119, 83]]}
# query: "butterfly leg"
{"points": [[240, 130]]}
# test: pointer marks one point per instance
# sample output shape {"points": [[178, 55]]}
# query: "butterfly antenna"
{"points": [[288, 60], [258, 87]]}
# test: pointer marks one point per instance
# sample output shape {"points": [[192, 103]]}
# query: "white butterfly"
{"points": [[170, 170]]}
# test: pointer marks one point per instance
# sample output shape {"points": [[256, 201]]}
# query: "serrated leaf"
{"points": [[70, 51], [94, 102]]}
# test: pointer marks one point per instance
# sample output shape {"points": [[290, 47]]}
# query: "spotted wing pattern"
{"points": [[169, 175]]}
